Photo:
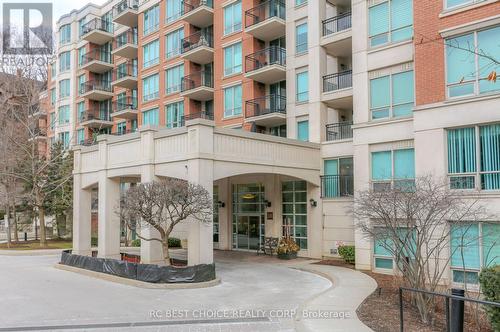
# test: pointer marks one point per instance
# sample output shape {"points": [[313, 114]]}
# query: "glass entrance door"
{"points": [[248, 216], [249, 232]]}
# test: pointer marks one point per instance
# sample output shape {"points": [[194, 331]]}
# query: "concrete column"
{"points": [[225, 220], [314, 222], [81, 211], [108, 220], [272, 187], [200, 171], [362, 182]]}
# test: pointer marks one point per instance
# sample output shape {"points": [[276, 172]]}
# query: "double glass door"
{"points": [[249, 232]]}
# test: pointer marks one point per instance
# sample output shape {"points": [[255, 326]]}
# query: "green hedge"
{"points": [[347, 253], [173, 242], [136, 243], [490, 286]]}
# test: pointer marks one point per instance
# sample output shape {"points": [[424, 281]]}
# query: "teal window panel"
{"points": [[490, 156], [488, 44], [331, 167], [303, 131], [462, 150], [404, 164], [465, 246], [302, 86], [379, 19], [233, 59], [173, 43], [174, 10], [233, 101], [301, 38], [460, 63], [401, 20], [403, 97], [151, 117], [331, 183], [173, 78], [381, 165], [232, 18], [456, 3], [151, 20], [491, 244], [383, 263], [469, 277]]}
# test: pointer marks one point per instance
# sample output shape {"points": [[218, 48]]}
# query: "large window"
{"points": [[65, 139], [63, 115], [338, 178], [64, 88], [301, 38], [64, 61], [294, 197], [474, 157], [303, 131], [151, 20], [392, 95], [467, 70], [81, 82], [65, 34], [174, 114], [394, 168], [80, 109], [300, 2], [390, 21], [384, 247], [174, 10], [151, 54], [81, 55], [173, 43], [459, 3], [151, 117], [150, 88], [232, 101], [233, 59], [80, 136], [173, 77], [53, 96], [232, 18], [473, 246], [302, 86]]}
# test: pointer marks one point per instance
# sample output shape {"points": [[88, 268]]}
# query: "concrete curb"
{"points": [[36, 252], [136, 283]]}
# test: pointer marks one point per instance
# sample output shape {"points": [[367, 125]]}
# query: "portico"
{"points": [[257, 180]]}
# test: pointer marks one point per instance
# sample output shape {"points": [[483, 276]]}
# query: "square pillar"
{"points": [[82, 205], [314, 222], [108, 220], [225, 220]]}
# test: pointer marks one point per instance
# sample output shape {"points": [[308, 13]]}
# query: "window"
{"points": [[81, 24], [279, 131], [53, 71], [390, 22], [150, 87], [150, 117], [64, 61], [459, 3], [301, 38], [302, 86], [232, 101], [65, 34], [300, 2], [394, 168], [80, 109], [52, 120], [151, 54], [392, 95], [473, 246], [303, 131], [80, 136], [174, 10], [173, 78], [472, 149], [174, 115], [466, 72], [121, 127], [232, 18], [233, 59], [81, 83], [63, 115], [294, 197], [64, 90], [64, 138], [384, 247], [52, 97], [338, 178], [81, 55], [173, 43], [151, 20]]}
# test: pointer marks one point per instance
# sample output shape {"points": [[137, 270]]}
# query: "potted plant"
{"points": [[287, 248]]}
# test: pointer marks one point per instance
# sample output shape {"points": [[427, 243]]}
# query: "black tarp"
{"points": [[142, 272]]}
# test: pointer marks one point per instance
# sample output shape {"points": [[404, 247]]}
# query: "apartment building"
{"points": [[329, 97]]}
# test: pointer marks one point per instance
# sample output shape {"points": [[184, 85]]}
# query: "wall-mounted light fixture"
{"points": [[313, 203], [268, 203], [221, 204]]}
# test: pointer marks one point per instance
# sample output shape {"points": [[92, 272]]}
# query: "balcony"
{"points": [[339, 131], [97, 31], [196, 115], [198, 47], [198, 86], [266, 21], [126, 13], [199, 13], [125, 45], [266, 111], [38, 133], [337, 35], [125, 108], [266, 66], [36, 112], [96, 90], [96, 61], [337, 90], [125, 76], [95, 119], [335, 186]]}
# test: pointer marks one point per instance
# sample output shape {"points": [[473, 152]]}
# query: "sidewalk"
{"points": [[348, 291]]}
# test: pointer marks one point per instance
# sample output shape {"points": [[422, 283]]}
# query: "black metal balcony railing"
{"points": [[96, 24], [125, 104], [95, 55], [265, 11], [93, 114], [198, 39], [99, 85], [273, 55], [197, 80], [38, 132], [125, 5], [128, 37], [196, 115], [265, 105], [337, 81], [337, 24], [337, 186], [123, 71], [339, 131], [190, 5], [123, 132]]}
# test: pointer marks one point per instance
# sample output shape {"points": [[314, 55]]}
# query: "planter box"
{"points": [[290, 255]]}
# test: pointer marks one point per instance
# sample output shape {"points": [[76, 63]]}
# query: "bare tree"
{"points": [[413, 224], [162, 205]]}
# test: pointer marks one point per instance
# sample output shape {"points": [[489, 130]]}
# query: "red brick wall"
{"points": [[430, 80]]}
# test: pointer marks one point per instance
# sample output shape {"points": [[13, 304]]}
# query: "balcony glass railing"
{"points": [[339, 131], [333, 186], [273, 55], [96, 24], [93, 114], [198, 39], [127, 103], [197, 80], [336, 24], [98, 85], [95, 55], [337, 81], [265, 11], [265, 105]]}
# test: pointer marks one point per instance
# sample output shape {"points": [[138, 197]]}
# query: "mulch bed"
{"points": [[380, 310]]}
